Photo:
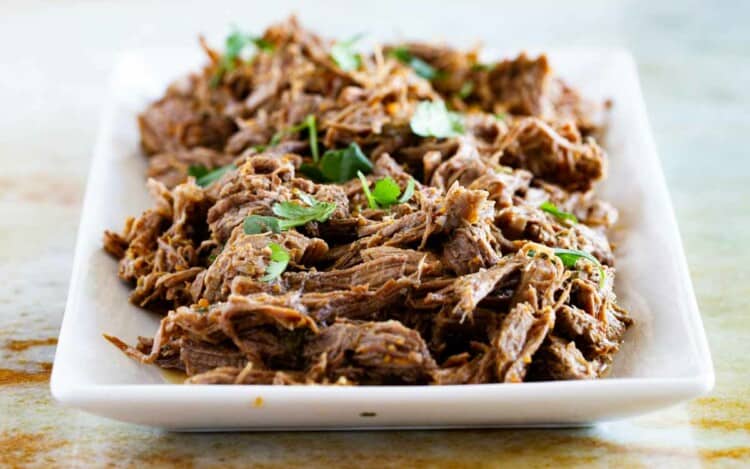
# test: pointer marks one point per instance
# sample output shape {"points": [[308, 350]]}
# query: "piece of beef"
{"points": [[159, 250], [248, 256], [471, 248], [522, 332], [559, 155], [521, 223], [518, 86], [381, 352], [559, 359], [171, 168], [199, 357], [177, 122]]}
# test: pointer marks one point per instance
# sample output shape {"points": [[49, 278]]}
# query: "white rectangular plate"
{"points": [[664, 360]]}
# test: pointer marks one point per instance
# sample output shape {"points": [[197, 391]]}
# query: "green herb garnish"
{"points": [[289, 214], [408, 192], [204, 177], [255, 224], [198, 171], [480, 67], [570, 257], [278, 264], [234, 45], [466, 90], [386, 192], [292, 214], [552, 209], [342, 165], [432, 119], [345, 56], [501, 116], [422, 68], [312, 130]]}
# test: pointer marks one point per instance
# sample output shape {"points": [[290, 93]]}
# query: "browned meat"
{"points": [[201, 357], [521, 223], [521, 334], [558, 155], [177, 122], [519, 86], [171, 168], [159, 251], [563, 360], [378, 352], [248, 256], [465, 256]]}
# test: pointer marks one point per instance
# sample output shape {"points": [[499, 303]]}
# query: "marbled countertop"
{"points": [[694, 60]]}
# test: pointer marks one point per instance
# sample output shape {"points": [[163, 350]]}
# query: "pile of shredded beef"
{"points": [[496, 269]]}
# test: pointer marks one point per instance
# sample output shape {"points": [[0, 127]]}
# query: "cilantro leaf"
{"points": [[234, 44], [313, 135], [420, 67], [204, 177], [408, 192], [308, 124], [312, 171], [292, 214], [386, 192], [466, 90], [289, 214], [278, 264], [344, 55], [255, 224], [342, 165], [432, 119], [197, 171], [570, 257], [366, 189], [480, 67], [552, 209], [262, 44]]}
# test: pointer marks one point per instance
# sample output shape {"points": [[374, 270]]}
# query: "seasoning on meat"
{"points": [[407, 215]]}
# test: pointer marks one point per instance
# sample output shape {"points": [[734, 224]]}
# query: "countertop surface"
{"points": [[694, 61]]}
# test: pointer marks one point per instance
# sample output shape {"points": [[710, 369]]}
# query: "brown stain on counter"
{"points": [[21, 345], [19, 449], [470, 448], [10, 377], [721, 413]]}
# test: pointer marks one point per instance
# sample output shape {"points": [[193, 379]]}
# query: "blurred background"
{"points": [[55, 56]]}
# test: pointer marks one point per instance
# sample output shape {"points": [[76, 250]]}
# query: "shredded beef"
{"points": [[359, 283]]}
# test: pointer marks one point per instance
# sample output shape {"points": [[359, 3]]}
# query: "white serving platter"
{"points": [[664, 360]]}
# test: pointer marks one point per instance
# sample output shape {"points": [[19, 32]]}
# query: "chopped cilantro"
{"points": [[344, 54], [278, 264], [432, 119], [386, 192], [204, 177], [420, 67], [552, 209]]}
